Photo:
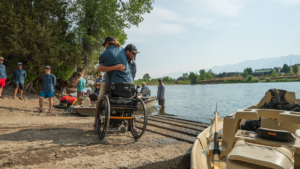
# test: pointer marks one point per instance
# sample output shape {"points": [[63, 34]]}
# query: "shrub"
{"points": [[255, 80], [249, 78], [268, 80]]}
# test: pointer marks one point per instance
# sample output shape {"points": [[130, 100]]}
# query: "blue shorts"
{"points": [[47, 94]]}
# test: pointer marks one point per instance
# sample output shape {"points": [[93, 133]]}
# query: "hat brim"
{"points": [[136, 52]]}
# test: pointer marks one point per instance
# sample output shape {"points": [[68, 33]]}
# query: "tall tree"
{"points": [[97, 19], [146, 76], [37, 33], [192, 77], [245, 73], [285, 68], [295, 69], [185, 76]]}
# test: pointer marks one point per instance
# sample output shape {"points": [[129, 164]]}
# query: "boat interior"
{"points": [[276, 144]]}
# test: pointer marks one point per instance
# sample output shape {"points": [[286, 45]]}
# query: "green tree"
{"points": [[273, 73], [146, 76], [295, 69], [249, 70], [285, 68], [192, 77], [212, 73], [245, 73], [37, 33], [185, 76], [96, 20], [202, 74]]}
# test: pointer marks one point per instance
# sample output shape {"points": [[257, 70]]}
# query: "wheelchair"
{"points": [[120, 106]]}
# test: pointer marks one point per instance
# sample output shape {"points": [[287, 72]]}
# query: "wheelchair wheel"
{"points": [[103, 115], [138, 125]]}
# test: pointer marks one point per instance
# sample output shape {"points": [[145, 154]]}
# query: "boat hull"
{"points": [[90, 111]]}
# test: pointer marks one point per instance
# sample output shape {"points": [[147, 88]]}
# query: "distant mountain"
{"points": [[254, 64]]}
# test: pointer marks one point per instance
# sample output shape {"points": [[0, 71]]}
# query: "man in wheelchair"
{"points": [[120, 68]]}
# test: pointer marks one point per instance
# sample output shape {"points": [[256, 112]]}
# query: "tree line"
{"points": [[64, 34]]}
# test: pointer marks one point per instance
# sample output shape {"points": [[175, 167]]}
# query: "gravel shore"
{"points": [[63, 140]]}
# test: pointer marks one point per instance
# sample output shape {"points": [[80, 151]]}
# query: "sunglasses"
{"points": [[19, 65]]}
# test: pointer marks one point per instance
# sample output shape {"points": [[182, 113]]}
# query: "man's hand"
{"points": [[159, 98], [119, 67]]}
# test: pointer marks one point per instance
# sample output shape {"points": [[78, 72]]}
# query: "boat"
{"points": [[275, 144], [90, 111]]}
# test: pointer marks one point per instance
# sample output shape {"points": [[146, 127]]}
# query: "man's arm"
{"points": [[162, 92], [76, 82], [119, 67], [54, 80], [25, 74]]}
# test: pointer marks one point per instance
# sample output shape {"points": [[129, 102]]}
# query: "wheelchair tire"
{"points": [[102, 122], [140, 121]]}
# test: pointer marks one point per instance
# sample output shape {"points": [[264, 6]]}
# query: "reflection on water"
{"points": [[198, 102]]}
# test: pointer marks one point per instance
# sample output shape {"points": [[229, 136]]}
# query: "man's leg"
{"points": [[15, 92], [21, 88], [41, 102], [103, 91], [21, 92], [50, 104], [2, 84]]}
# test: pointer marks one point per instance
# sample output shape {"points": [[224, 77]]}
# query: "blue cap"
{"points": [[47, 67], [20, 63]]}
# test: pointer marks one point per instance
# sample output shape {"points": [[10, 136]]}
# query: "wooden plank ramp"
{"points": [[176, 128]]}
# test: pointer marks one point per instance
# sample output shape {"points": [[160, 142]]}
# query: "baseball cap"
{"points": [[159, 79], [47, 67], [1, 58], [20, 63], [107, 39], [131, 48]]}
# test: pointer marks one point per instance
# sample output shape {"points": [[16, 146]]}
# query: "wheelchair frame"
{"points": [[127, 113]]}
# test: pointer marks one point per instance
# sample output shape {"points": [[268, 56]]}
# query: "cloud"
{"points": [[159, 21], [216, 7]]}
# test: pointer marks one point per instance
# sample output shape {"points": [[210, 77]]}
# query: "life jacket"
{"points": [[69, 99], [279, 102]]}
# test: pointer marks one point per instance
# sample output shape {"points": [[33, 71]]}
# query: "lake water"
{"points": [[198, 102]]}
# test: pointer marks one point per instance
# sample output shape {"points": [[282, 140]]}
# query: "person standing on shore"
{"points": [[99, 79], [80, 83], [49, 81], [19, 75], [161, 94], [2, 76]]}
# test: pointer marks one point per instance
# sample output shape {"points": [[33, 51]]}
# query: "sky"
{"points": [[189, 35]]}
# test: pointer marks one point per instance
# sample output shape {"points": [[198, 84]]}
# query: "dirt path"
{"points": [[63, 140]]}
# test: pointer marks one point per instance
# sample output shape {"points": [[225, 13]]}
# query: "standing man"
{"points": [[131, 52], [99, 79], [49, 81], [19, 76], [2, 76], [80, 83], [161, 94]]}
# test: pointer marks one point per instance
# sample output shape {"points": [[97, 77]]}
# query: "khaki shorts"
{"points": [[104, 90], [161, 102]]}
